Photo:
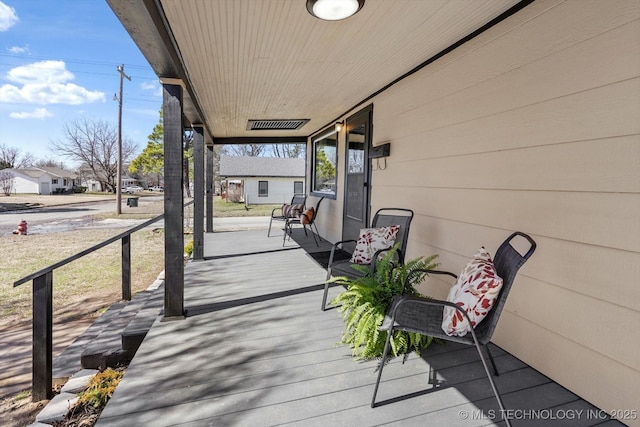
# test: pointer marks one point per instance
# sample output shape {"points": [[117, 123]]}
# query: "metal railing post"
{"points": [[42, 388], [126, 267]]}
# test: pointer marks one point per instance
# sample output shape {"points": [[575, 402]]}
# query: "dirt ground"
{"points": [[71, 318], [29, 201]]}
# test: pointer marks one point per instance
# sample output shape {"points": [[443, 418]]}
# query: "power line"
{"points": [[73, 61]]}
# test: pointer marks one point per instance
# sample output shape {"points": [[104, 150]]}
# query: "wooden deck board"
{"points": [[255, 349]]}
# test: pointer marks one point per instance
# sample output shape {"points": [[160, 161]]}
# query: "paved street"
{"points": [[69, 217]]}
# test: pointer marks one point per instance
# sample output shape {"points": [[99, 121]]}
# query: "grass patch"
{"points": [[23, 395], [222, 208], [97, 275]]}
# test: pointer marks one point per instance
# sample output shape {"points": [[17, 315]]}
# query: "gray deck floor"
{"points": [[256, 350]]}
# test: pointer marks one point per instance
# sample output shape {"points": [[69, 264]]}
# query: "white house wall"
{"points": [[29, 185], [280, 190], [532, 126]]}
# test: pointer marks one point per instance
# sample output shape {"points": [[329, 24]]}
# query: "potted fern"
{"points": [[366, 300]]}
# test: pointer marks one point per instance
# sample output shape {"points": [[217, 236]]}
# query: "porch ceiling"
{"points": [[270, 59]]}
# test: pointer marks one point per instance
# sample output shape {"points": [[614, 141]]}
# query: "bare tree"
{"points": [[292, 151], [6, 182], [50, 163], [94, 144], [245, 150], [11, 157]]}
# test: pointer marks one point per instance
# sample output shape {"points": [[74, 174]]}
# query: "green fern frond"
{"points": [[366, 300]]}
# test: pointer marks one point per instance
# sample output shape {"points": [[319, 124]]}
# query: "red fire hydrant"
{"points": [[22, 228]]}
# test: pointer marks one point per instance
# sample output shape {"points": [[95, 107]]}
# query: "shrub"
{"points": [[188, 249], [100, 388]]}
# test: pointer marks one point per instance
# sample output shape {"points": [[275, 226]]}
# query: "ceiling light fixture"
{"points": [[334, 10]]}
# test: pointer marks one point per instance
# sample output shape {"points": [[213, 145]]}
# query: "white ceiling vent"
{"points": [[293, 124]]}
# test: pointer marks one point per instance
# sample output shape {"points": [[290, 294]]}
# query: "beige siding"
{"points": [[534, 126]]}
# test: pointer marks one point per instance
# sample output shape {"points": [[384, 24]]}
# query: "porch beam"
{"points": [[261, 140], [173, 201], [198, 191]]}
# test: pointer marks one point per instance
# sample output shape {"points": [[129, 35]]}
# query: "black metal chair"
{"points": [[306, 218], [384, 217], [424, 316], [295, 208]]}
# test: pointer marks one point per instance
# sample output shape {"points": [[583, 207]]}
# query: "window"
{"points": [[298, 187], [54, 181], [325, 159], [263, 188]]}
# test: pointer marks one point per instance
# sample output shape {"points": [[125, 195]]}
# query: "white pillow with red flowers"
{"points": [[371, 240], [475, 291]]}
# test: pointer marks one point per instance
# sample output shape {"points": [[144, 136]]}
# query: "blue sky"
{"points": [[58, 63]]}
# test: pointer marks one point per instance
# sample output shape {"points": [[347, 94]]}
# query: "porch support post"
{"points": [[198, 192], [173, 202], [126, 267], [42, 387], [210, 188]]}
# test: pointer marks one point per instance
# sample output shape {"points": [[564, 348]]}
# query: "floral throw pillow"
{"points": [[475, 291], [372, 240]]}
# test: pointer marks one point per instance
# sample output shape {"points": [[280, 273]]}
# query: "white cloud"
{"points": [[8, 17], [152, 86], [16, 50], [46, 82], [38, 113], [41, 72]]}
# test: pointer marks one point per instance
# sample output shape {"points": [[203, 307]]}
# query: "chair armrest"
{"points": [[397, 306], [424, 270], [340, 243], [335, 246], [274, 211]]}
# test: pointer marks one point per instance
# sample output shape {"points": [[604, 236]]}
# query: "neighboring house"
{"points": [[261, 180], [42, 180], [94, 185]]}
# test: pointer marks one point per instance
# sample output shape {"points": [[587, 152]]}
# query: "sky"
{"points": [[58, 63]]}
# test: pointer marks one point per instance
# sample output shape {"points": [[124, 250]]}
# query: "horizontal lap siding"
{"points": [[534, 126]]}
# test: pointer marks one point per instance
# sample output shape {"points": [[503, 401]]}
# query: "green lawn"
{"points": [[222, 208]]}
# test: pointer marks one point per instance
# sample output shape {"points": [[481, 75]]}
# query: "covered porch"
{"points": [[485, 119], [255, 349]]}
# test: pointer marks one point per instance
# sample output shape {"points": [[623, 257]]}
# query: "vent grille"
{"points": [[292, 124]]}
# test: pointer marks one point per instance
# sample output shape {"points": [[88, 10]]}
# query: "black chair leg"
{"points": [[269, 232], [313, 234], [493, 363], [490, 377], [287, 230], [324, 296], [387, 344]]}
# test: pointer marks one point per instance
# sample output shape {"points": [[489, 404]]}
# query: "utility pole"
{"points": [[120, 69]]}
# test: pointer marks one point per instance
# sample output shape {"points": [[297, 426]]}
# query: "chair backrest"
{"points": [[299, 199], [310, 219], [395, 216], [507, 261]]}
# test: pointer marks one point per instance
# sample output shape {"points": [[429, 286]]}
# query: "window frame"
{"points": [[298, 184], [260, 192], [329, 133]]}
